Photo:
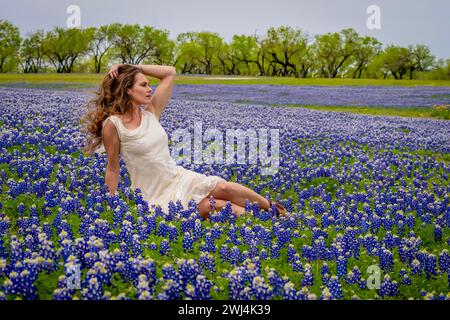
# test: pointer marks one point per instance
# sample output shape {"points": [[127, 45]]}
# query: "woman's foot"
{"points": [[281, 210]]}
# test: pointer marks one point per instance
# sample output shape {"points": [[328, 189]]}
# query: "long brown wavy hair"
{"points": [[111, 99]]}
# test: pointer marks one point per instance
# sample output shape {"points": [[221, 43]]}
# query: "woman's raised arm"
{"points": [[163, 93]]}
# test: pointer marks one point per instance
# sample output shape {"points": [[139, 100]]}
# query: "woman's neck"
{"points": [[135, 112]]}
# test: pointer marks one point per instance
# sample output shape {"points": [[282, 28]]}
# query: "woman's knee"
{"points": [[222, 190], [204, 207]]}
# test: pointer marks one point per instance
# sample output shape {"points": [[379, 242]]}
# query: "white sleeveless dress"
{"points": [[146, 154]]}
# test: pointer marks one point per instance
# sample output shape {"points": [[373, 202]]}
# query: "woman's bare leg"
{"points": [[204, 207], [237, 193]]}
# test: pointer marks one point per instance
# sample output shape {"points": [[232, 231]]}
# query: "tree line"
{"points": [[284, 52]]}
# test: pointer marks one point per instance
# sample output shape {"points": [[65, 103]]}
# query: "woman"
{"points": [[134, 132]]}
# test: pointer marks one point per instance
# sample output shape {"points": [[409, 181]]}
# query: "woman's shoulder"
{"points": [[150, 112], [113, 118]]}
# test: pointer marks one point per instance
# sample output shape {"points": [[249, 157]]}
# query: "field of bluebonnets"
{"points": [[362, 192]]}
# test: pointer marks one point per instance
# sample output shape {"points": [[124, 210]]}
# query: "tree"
{"points": [[284, 45], [163, 53], [333, 51], [421, 59], [202, 47], [64, 46], [134, 44], [100, 45], [397, 60], [365, 50], [10, 45], [261, 56], [305, 62], [32, 52], [210, 43], [227, 57], [245, 50], [188, 53]]}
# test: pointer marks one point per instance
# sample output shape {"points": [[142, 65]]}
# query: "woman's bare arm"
{"points": [[163, 93], [159, 72], [112, 146]]}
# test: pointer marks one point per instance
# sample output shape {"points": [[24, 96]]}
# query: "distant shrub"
{"points": [[441, 111]]}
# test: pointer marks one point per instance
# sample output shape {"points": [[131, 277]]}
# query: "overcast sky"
{"points": [[403, 22]]}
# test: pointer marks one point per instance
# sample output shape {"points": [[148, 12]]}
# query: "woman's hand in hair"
{"points": [[113, 73]]}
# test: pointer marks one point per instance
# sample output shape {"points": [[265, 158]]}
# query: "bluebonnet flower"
{"points": [[277, 283], [406, 280], [341, 267], [324, 269], [263, 254], [202, 288], [164, 247], [389, 240], [163, 229], [92, 289], [354, 276], [207, 261], [169, 271], [265, 236], [198, 230], [297, 264], [188, 242], [308, 276], [444, 261], [188, 270], [308, 253], [143, 288], [247, 234], [430, 266], [62, 294], [235, 255], [386, 260], [260, 289], [335, 288], [388, 288], [275, 251], [291, 253], [173, 233], [326, 294], [224, 253], [284, 237], [216, 231], [437, 233], [151, 222], [209, 244], [410, 221], [126, 232], [170, 291], [136, 246], [289, 292], [153, 246], [186, 225], [142, 228], [245, 255], [236, 283]]}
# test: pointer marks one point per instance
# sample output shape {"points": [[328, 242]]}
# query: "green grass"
{"points": [[75, 80], [417, 112], [91, 81]]}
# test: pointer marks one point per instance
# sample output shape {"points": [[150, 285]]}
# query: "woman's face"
{"points": [[140, 92]]}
